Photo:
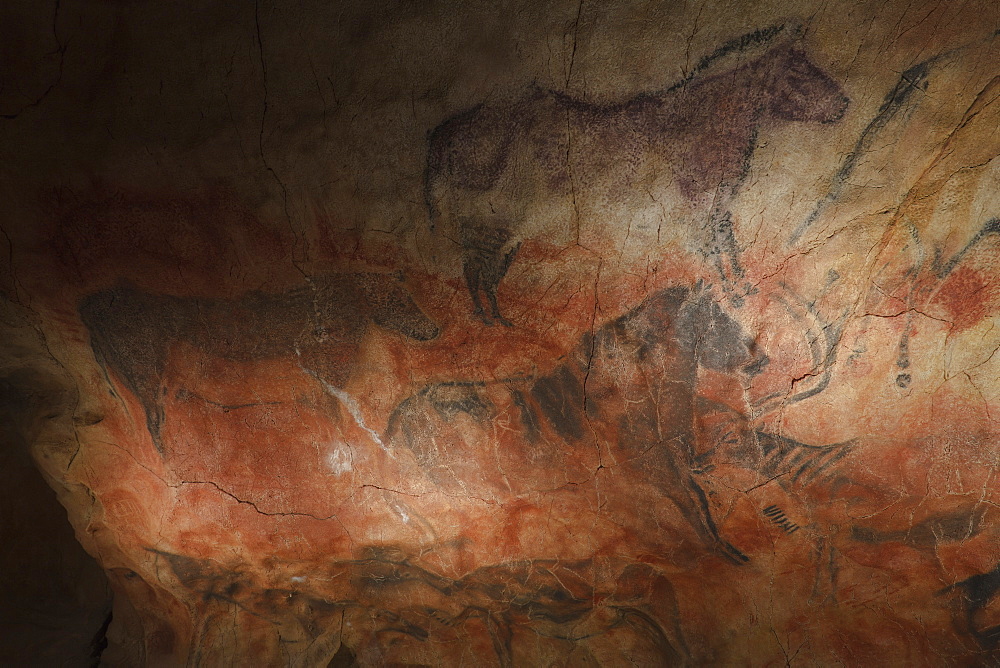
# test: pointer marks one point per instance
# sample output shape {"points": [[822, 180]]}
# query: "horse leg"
{"points": [[492, 283], [721, 243], [726, 254], [485, 263], [667, 467], [707, 524], [473, 269], [690, 498]]}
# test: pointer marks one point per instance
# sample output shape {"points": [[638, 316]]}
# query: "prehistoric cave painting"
{"points": [[544, 145], [635, 378], [926, 278], [898, 99], [917, 273], [798, 463], [727, 436], [321, 325], [944, 527], [901, 100], [383, 603], [486, 257], [973, 596], [823, 338], [631, 387], [944, 268], [776, 515]]}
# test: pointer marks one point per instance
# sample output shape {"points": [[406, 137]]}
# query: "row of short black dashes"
{"points": [[777, 515]]}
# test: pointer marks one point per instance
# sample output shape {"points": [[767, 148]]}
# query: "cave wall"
{"points": [[546, 333], [55, 601]]}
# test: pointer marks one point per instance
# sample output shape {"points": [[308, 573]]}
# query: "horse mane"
{"points": [[721, 59], [755, 41]]}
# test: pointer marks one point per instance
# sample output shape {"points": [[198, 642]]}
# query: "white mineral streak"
{"points": [[350, 403], [355, 411], [402, 513], [339, 460]]}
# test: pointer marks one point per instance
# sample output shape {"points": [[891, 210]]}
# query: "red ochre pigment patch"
{"points": [[968, 295], [300, 444]]}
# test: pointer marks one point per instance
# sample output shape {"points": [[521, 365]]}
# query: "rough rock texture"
{"points": [[446, 333]]}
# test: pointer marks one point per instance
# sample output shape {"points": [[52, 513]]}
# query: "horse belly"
{"points": [[603, 183], [600, 185], [243, 331], [489, 441]]}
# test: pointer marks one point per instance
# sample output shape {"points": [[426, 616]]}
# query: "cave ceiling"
{"points": [[540, 333]]}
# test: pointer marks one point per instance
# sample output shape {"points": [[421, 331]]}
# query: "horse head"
{"points": [[798, 90], [391, 306], [691, 327], [717, 340]]}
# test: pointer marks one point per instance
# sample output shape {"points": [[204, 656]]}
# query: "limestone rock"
{"points": [[537, 334]]}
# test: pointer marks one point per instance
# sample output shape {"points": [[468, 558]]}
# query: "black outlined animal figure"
{"points": [[504, 166], [383, 595], [132, 331], [631, 385], [920, 276], [899, 99], [972, 596]]}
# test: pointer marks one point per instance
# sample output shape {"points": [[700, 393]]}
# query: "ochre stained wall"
{"points": [[559, 333]]}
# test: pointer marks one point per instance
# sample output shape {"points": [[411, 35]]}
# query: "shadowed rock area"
{"points": [[441, 333]]}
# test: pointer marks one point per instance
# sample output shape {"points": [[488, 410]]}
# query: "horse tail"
{"points": [[747, 43], [435, 159]]}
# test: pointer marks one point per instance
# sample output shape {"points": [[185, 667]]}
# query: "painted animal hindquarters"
{"points": [[632, 607], [608, 385], [512, 167], [132, 331]]}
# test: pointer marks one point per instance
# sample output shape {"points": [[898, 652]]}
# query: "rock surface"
{"points": [[438, 333]]}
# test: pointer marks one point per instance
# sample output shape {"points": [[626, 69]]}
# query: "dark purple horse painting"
{"points": [[496, 172]]}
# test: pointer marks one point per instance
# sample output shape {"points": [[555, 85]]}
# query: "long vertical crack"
{"points": [[296, 240], [61, 50]]}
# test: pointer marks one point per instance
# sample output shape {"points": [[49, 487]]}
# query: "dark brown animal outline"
{"points": [[503, 596], [672, 333], [131, 331], [705, 126]]}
